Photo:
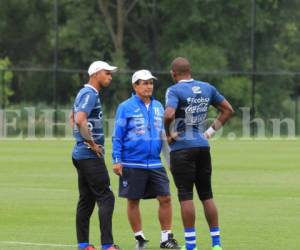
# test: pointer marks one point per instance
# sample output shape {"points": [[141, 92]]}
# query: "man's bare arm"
{"points": [[169, 117], [82, 123], [225, 112]]}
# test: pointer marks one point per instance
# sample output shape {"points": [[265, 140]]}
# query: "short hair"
{"points": [[181, 66]]}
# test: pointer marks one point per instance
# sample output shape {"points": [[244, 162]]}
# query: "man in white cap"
{"points": [[137, 143], [88, 158]]}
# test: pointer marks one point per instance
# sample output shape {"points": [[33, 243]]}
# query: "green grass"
{"points": [[256, 186]]}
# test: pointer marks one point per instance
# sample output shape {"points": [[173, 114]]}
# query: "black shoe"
{"points": [[171, 243], [141, 243]]}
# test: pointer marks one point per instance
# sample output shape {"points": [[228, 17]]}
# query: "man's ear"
{"points": [[173, 74], [134, 86]]}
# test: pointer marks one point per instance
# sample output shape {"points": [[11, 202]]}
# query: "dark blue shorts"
{"points": [[137, 183]]}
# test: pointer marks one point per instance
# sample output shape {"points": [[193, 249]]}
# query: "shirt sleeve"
{"points": [[86, 103], [118, 134], [216, 98], [171, 98]]}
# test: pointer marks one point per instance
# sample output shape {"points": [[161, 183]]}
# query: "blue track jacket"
{"points": [[137, 137]]}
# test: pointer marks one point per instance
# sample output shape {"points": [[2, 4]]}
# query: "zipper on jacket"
{"points": [[149, 128], [149, 131]]}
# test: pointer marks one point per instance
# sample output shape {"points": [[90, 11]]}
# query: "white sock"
{"points": [[165, 235], [140, 233]]}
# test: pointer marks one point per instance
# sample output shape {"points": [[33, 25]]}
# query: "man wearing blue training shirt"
{"points": [[88, 158], [187, 104], [137, 143]]}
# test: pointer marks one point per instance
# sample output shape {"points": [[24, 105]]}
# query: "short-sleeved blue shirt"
{"points": [[191, 99], [88, 101]]}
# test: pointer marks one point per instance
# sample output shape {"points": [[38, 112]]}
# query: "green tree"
{"points": [[24, 29], [6, 77]]}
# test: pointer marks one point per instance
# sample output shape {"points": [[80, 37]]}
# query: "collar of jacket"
{"points": [[136, 97]]}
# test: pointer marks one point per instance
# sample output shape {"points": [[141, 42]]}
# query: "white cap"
{"points": [[142, 74], [100, 65]]}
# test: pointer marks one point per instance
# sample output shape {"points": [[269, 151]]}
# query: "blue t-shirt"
{"points": [[191, 99], [88, 101]]}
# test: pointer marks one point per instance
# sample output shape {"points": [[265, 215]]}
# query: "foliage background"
{"points": [[215, 35]]}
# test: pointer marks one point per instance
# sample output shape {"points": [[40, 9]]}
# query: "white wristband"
{"points": [[210, 132]]}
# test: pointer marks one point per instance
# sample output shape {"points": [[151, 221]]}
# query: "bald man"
{"points": [[187, 103]]}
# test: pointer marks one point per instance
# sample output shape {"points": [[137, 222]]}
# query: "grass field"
{"points": [[256, 185]]}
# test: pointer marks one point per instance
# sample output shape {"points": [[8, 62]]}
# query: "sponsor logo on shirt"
{"points": [[191, 100], [196, 90], [196, 110]]}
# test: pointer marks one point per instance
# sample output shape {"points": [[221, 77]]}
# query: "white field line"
{"points": [[35, 244]]}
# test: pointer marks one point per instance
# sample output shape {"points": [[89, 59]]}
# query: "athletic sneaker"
{"points": [[183, 248], [89, 247], [114, 247], [141, 243], [171, 243], [216, 247]]}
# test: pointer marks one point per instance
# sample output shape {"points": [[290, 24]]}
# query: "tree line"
{"points": [[215, 35]]}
